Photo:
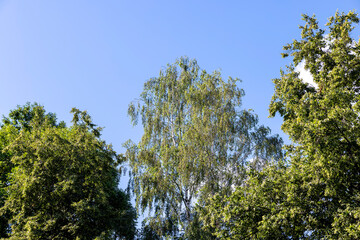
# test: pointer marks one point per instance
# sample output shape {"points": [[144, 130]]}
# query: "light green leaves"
{"points": [[196, 142]]}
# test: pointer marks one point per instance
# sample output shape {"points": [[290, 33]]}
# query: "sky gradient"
{"points": [[96, 55]]}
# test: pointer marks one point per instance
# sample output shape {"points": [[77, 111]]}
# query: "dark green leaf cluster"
{"points": [[60, 182], [316, 193]]}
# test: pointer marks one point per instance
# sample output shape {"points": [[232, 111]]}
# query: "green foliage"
{"points": [[316, 194], [7, 133], [197, 142], [64, 181], [18, 119], [22, 116], [148, 233]]}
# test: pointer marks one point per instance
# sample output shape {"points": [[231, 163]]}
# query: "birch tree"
{"points": [[197, 141]]}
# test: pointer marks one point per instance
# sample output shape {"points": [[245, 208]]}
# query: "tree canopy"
{"points": [[315, 194], [63, 183], [197, 141]]}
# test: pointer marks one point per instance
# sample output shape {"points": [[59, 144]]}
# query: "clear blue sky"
{"points": [[96, 55]]}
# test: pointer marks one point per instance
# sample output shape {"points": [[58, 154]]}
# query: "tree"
{"points": [[252, 210], [64, 181], [18, 119], [196, 142], [316, 194], [5, 169]]}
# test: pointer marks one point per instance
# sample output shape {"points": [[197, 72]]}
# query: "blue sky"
{"points": [[96, 55]]}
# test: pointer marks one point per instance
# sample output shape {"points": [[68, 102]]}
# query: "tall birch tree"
{"points": [[197, 141]]}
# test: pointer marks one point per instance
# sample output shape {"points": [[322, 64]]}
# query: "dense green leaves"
{"points": [[197, 142], [324, 121], [316, 194], [64, 181]]}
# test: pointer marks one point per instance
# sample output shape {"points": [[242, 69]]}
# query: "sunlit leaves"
{"points": [[64, 181], [315, 195], [196, 142]]}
